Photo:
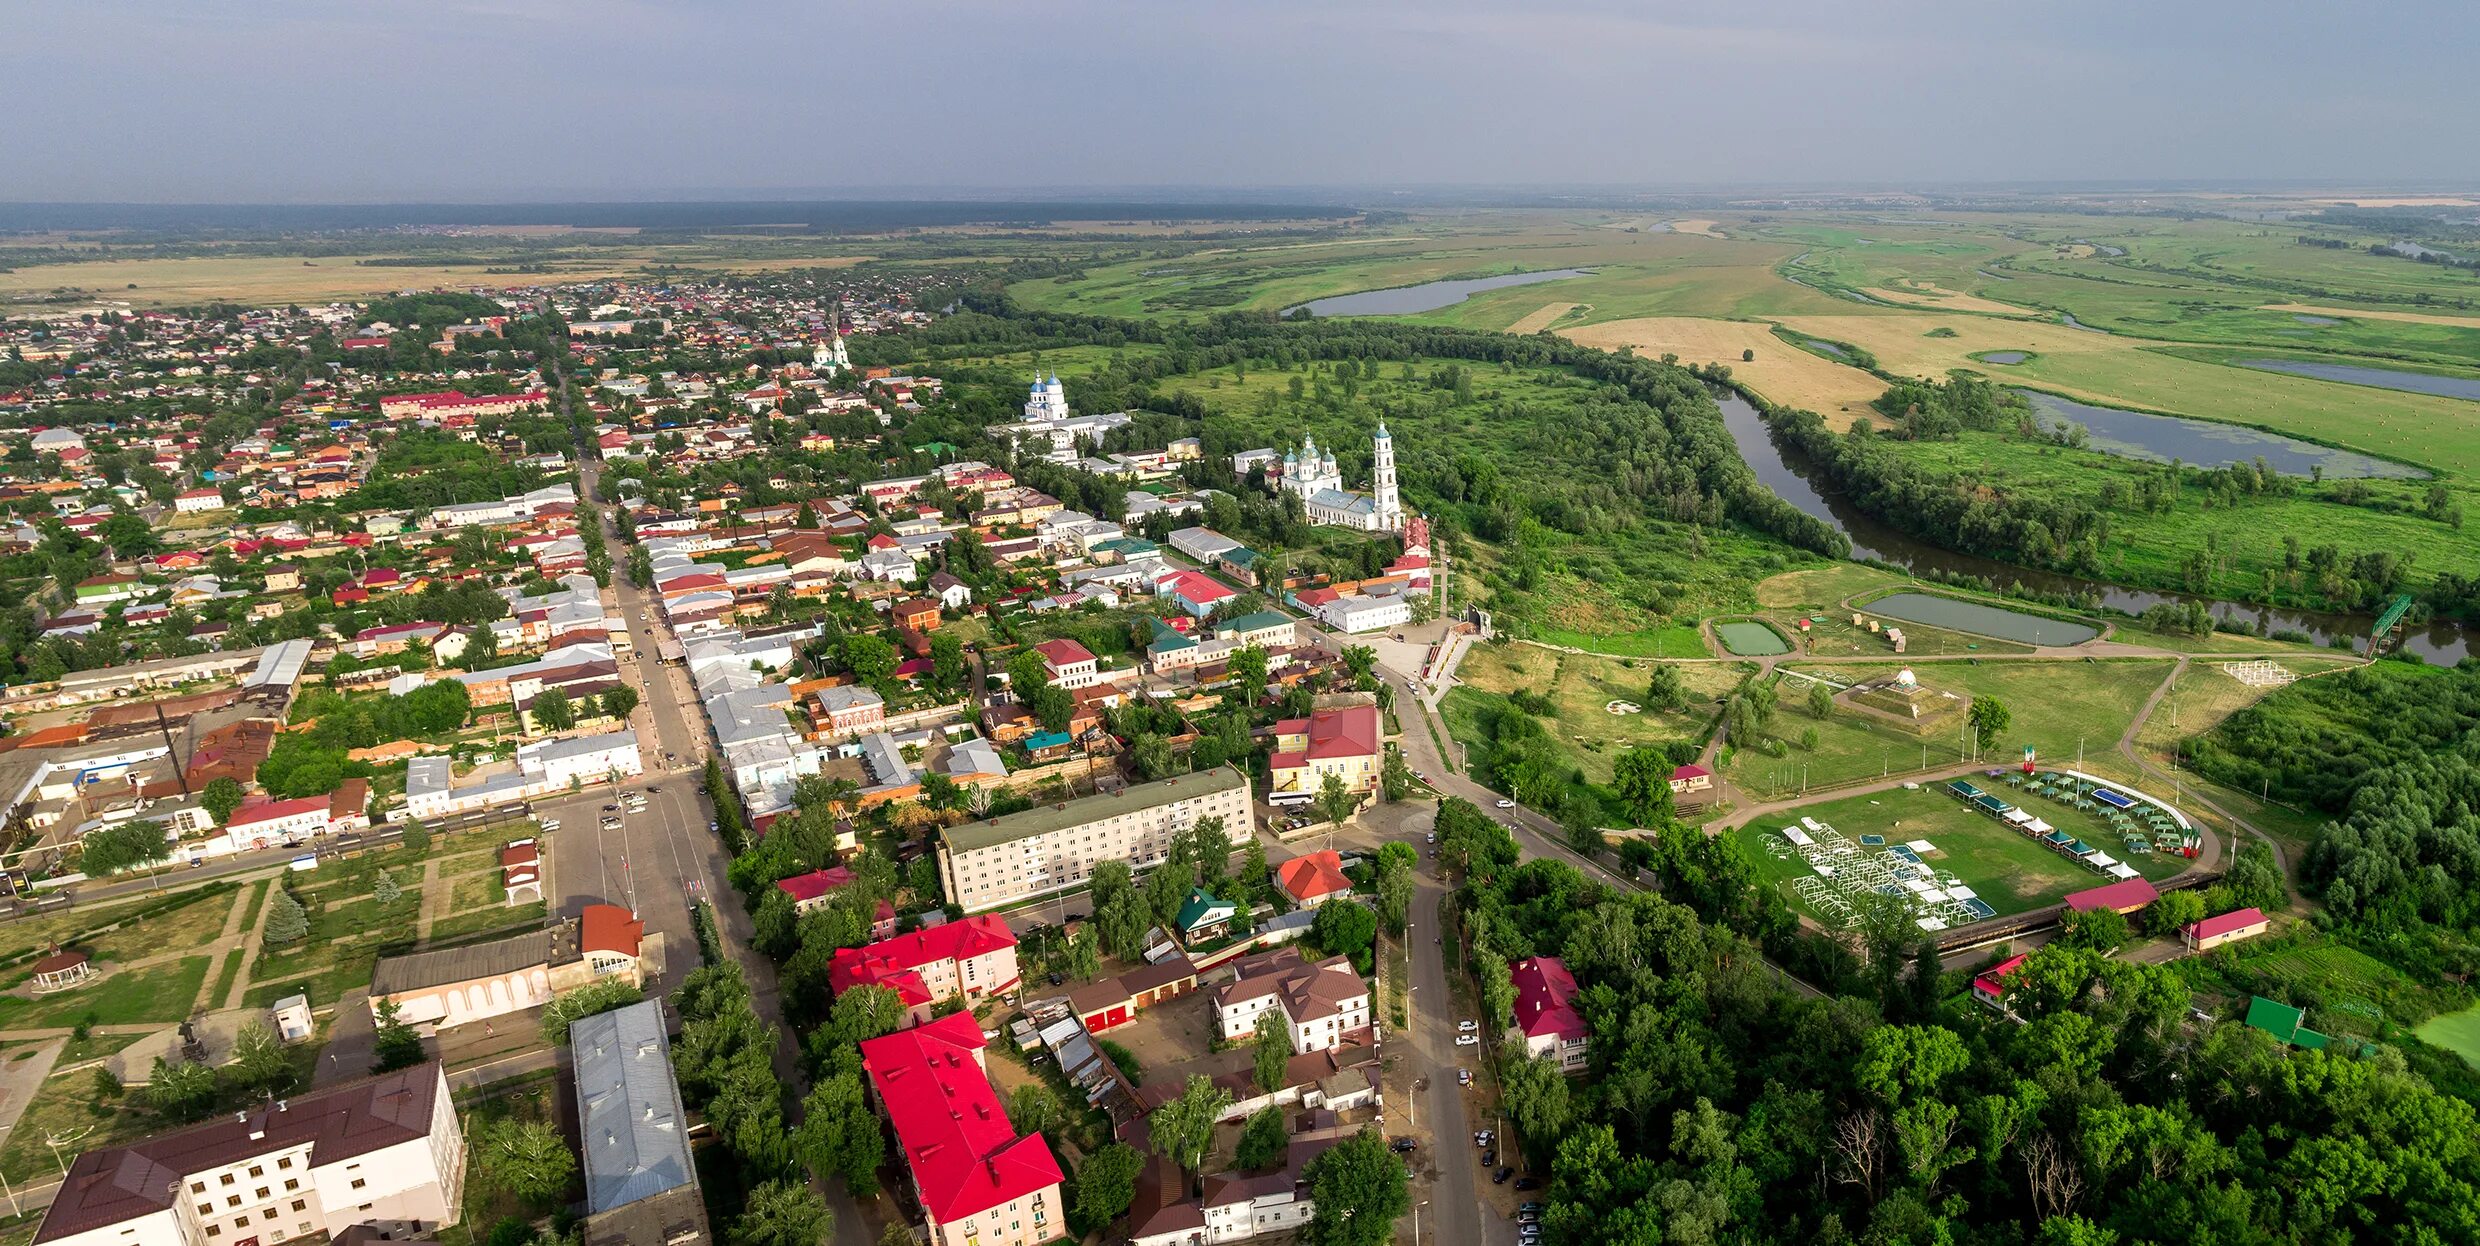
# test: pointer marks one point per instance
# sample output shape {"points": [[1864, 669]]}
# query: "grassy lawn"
{"points": [[1580, 687], [64, 1105], [2346, 990], [344, 942], [124, 997], [2458, 1032], [1677, 641], [2009, 870], [181, 919], [2055, 705], [486, 919], [231, 962], [1831, 635]]}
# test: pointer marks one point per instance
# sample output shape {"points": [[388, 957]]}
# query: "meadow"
{"points": [[1580, 689]]}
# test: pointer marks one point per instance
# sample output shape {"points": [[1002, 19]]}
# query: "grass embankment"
{"points": [[1579, 689]]}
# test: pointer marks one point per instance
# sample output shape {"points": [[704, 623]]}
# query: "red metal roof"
{"points": [[2238, 920], [1061, 653], [1317, 874], [965, 1155], [1545, 992], [2124, 895], [276, 809], [1993, 982], [610, 928]]}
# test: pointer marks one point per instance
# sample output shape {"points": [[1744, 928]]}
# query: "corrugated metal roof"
{"points": [[631, 1126]]}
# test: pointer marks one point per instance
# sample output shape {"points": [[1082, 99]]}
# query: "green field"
{"points": [[1580, 689], [131, 996], [2458, 1032], [2056, 706], [2006, 868]]}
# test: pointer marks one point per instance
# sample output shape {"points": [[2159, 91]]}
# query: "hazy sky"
{"points": [[321, 100]]}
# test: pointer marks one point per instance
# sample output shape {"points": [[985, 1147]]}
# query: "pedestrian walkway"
{"points": [[432, 899]]}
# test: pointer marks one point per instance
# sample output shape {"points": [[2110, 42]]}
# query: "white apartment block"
{"points": [[384, 1152], [1026, 855]]}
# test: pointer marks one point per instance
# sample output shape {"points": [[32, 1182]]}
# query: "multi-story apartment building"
{"points": [[978, 1182], [966, 959], [383, 1153], [1347, 743], [1037, 851]]}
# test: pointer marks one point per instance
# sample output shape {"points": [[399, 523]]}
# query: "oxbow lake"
{"points": [[1428, 296], [1980, 620], [2203, 443], [2381, 378]]}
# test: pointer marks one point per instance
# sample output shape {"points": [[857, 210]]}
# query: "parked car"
{"points": [[1500, 1177], [1528, 1183], [1531, 1205], [611, 808], [1463, 1077], [1430, 838], [1484, 1137], [610, 823], [1402, 1146], [550, 824], [1506, 804], [1467, 1040], [1467, 1027]]}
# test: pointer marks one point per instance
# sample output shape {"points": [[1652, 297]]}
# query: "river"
{"points": [[2441, 642], [1427, 296]]}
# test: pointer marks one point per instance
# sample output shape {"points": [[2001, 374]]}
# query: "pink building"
{"points": [[1546, 1012], [971, 958], [979, 1183]]}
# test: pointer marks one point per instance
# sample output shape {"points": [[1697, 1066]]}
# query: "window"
{"points": [[197, 1187], [268, 1214], [228, 1179], [206, 1209], [262, 1192], [358, 1183], [232, 1200], [291, 1184], [258, 1170], [285, 1162], [301, 1204], [215, 1230]]}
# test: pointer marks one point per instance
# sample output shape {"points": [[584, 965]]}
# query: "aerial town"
{"points": [[1175, 625]]}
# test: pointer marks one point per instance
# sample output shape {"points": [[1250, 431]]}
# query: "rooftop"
{"points": [[631, 1127], [1045, 819]]}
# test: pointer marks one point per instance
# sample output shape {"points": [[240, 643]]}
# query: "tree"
{"points": [[1394, 775], [1536, 1093], [527, 1160], [1084, 955], [871, 659], [1033, 1109], [1184, 1127], [1642, 778], [1359, 1191], [1663, 688], [417, 839], [124, 847], [619, 701], [947, 663], [1345, 928], [1335, 802], [287, 922], [1105, 1185], [1820, 701], [552, 711], [1264, 1140], [221, 798], [840, 1134], [397, 1046], [1272, 1051], [570, 1007], [1989, 718], [385, 890], [179, 1090], [2173, 912], [1119, 912], [259, 1063], [783, 1212], [1395, 884], [2098, 930]]}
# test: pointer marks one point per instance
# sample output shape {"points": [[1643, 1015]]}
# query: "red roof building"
{"points": [[611, 930], [978, 1181], [1314, 879], [1546, 1012], [1989, 987], [2212, 932], [971, 958], [2125, 896], [1345, 743], [810, 891]]}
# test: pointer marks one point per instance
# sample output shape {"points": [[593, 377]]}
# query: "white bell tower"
{"points": [[1382, 482]]}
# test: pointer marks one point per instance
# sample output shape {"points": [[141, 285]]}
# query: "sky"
{"points": [[309, 101]]}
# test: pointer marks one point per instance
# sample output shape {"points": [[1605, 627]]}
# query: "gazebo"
{"points": [[62, 970]]}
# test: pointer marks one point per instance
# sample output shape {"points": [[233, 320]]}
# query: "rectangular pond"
{"points": [[1750, 640], [1981, 620]]}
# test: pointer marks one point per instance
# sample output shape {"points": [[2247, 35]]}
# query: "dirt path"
{"points": [[432, 900]]}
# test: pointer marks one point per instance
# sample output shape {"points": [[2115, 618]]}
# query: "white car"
{"points": [[1467, 1040], [1466, 1027], [1506, 804], [550, 824]]}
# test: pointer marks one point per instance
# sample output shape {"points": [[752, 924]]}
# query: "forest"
{"points": [[1721, 1107]]}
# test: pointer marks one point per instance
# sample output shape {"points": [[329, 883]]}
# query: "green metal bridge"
{"points": [[2387, 622]]}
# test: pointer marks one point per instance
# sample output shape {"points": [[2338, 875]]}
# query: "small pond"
{"points": [[2314, 321], [2382, 378], [2003, 356], [1428, 296], [1828, 347], [2203, 443], [1980, 620], [1750, 640]]}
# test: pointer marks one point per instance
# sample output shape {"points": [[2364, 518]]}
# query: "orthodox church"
{"points": [[1312, 475], [827, 359], [1046, 401]]}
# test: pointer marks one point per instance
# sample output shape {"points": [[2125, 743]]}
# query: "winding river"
{"points": [[2441, 642]]}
